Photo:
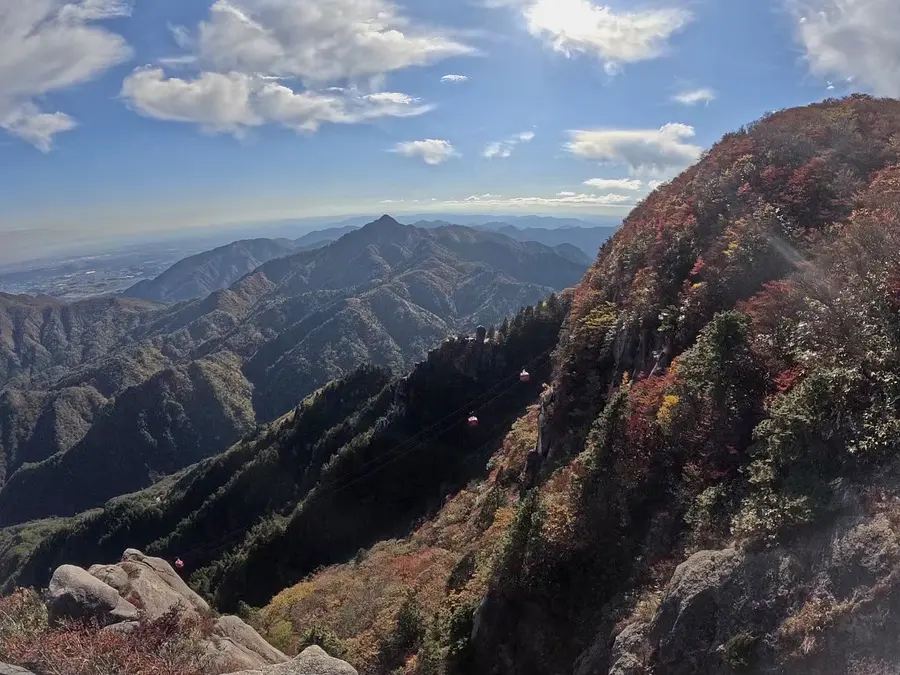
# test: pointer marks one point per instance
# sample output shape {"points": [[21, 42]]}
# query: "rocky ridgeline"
{"points": [[140, 588]]}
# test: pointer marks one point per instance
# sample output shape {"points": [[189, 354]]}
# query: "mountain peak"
{"points": [[386, 220]]}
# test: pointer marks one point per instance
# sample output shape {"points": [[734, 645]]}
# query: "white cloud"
{"points": [[614, 183], [582, 27], [47, 46], [695, 96], [653, 184], [431, 151], [235, 102], [317, 41], [852, 39], [455, 78], [561, 199], [504, 149], [35, 127], [297, 63], [644, 151]]}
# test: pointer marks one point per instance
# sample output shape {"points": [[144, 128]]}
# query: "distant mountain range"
{"points": [[199, 275], [101, 397], [202, 274]]}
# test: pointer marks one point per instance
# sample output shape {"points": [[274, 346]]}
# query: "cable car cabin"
{"points": [[524, 376], [473, 421], [179, 564]]}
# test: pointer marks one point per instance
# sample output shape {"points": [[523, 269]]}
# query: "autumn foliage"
{"points": [[167, 646]]}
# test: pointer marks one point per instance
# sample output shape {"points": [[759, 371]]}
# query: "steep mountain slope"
{"points": [[726, 379], [360, 459], [721, 486], [323, 237], [200, 275], [384, 295], [41, 339]]}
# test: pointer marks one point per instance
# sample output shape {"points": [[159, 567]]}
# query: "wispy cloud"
{"points": [[560, 199], [48, 46], [695, 96], [504, 149], [615, 184], [456, 79]]}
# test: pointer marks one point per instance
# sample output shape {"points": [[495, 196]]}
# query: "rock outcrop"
{"points": [[826, 603], [142, 588], [151, 584], [75, 594], [6, 669], [312, 661]]}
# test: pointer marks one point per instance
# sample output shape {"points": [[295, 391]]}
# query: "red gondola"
{"points": [[179, 564], [524, 376], [473, 421]]}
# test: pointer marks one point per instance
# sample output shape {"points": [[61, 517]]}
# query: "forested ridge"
{"points": [[103, 397]]}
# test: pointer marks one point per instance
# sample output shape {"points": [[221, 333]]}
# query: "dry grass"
{"points": [[801, 633], [167, 646]]}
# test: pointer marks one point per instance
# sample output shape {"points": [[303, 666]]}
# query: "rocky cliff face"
{"points": [[825, 603]]}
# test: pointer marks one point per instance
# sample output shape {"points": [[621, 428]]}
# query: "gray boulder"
{"points": [[824, 603], [6, 669], [313, 661], [235, 646], [75, 594], [152, 585]]}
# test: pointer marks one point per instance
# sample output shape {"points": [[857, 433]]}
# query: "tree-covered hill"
{"points": [[358, 460], [94, 409]]}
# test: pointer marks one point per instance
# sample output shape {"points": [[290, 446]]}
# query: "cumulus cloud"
{"points": [[616, 37], [315, 40], [644, 151], [431, 151], [614, 183], [234, 102], [695, 96], [455, 78], [47, 46], [852, 39], [298, 63], [504, 149]]}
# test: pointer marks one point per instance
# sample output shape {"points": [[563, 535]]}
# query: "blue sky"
{"points": [[122, 117]]}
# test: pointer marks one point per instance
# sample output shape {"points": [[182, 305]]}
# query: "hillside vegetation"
{"points": [[721, 491], [359, 460], [102, 398]]}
